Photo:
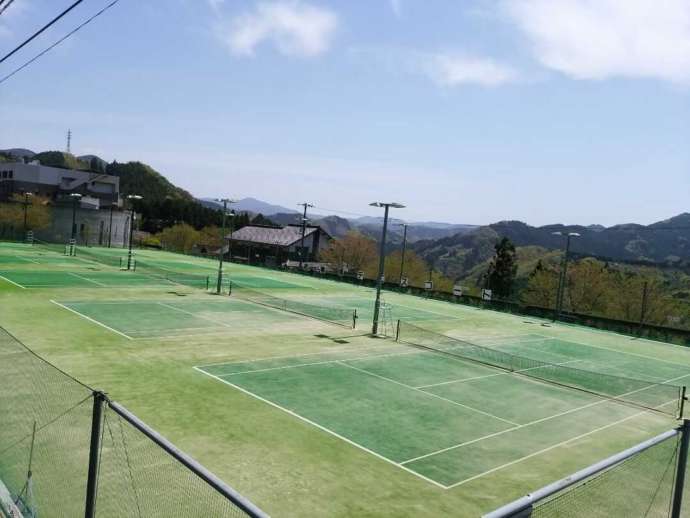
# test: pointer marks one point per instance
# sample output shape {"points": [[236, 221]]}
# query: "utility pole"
{"points": [[404, 247], [132, 216], [304, 231], [219, 284], [26, 205], [69, 141], [382, 260], [564, 271]]}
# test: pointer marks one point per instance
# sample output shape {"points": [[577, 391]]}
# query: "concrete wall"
{"points": [[92, 227]]}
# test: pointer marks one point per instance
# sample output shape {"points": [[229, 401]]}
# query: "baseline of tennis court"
{"points": [[150, 319], [446, 420], [84, 278]]}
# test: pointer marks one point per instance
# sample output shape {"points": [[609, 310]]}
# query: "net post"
{"points": [[680, 470], [99, 399], [354, 319], [681, 406], [397, 331]]}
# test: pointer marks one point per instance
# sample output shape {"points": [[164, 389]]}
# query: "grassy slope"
{"points": [[288, 467]]}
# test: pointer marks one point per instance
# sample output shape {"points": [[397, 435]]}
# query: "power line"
{"points": [[41, 30], [37, 56], [3, 8]]}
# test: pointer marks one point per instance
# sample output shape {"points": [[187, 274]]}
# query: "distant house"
{"points": [[258, 244]]}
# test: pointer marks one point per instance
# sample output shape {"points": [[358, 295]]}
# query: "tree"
{"points": [[353, 253], [587, 287], [179, 238], [541, 288], [502, 269], [260, 219], [38, 213]]}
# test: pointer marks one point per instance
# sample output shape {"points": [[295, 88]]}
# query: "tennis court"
{"points": [[148, 319], [29, 279], [451, 420]]}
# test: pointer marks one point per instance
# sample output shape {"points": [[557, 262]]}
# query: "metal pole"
{"points": [[131, 234], [74, 218], [304, 231], [680, 470], [110, 228], [379, 282], [402, 259], [94, 454], [26, 205], [565, 275], [222, 251]]}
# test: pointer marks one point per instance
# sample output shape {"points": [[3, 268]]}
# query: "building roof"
{"points": [[285, 236]]}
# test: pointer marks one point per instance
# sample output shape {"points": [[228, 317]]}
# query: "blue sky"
{"points": [[473, 111]]}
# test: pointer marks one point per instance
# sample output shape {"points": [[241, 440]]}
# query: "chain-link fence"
{"points": [[67, 450], [644, 481]]}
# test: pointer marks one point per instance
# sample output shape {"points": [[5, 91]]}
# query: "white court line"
{"points": [[429, 394], [12, 282], [87, 279], [297, 366], [196, 315], [92, 320], [525, 425], [492, 375], [554, 446], [323, 428], [345, 350], [30, 260], [616, 350]]}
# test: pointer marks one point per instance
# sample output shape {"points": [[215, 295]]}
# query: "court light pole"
{"points": [[219, 284], [132, 217], [404, 247], [304, 231], [382, 259], [564, 270]]}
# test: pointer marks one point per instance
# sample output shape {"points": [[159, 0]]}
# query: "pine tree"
{"points": [[503, 269]]}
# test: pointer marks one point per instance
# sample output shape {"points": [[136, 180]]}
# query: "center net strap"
{"points": [[646, 394]]}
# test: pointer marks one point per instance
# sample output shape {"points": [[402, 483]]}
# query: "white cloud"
{"points": [[600, 39], [453, 69], [295, 28]]}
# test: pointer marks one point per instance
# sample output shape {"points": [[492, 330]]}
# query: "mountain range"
{"points": [[455, 249]]}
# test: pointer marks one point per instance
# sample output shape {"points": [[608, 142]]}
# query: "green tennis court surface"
{"points": [[315, 413], [174, 318], [448, 420]]}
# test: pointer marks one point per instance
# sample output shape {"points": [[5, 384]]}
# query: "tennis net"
{"points": [[339, 316], [99, 257], [646, 394], [192, 280], [58, 248]]}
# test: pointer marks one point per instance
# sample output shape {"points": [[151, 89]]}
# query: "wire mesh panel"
{"points": [[48, 422], [99, 257], [192, 280], [660, 397], [58, 248], [45, 422], [641, 486], [640, 482], [340, 316], [138, 478]]}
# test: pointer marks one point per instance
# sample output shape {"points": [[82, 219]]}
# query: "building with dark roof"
{"points": [[259, 244]]}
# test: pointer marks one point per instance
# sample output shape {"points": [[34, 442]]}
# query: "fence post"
{"points": [[680, 470], [99, 399]]}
